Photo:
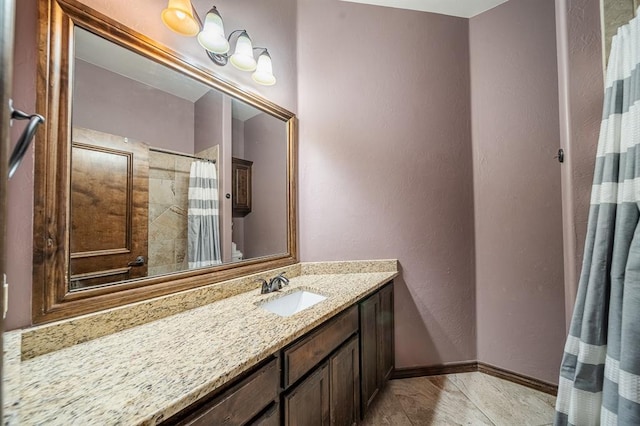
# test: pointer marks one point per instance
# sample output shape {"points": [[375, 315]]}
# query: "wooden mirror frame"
{"points": [[52, 299]]}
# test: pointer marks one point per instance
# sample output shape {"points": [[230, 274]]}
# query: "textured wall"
{"points": [[385, 162], [111, 103], [518, 210], [580, 88], [265, 228], [208, 115], [20, 187], [237, 150]]}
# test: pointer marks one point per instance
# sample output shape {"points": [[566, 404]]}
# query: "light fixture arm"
{"points": [[195, 15], [218, 59], [222, 59], [234, 32]]}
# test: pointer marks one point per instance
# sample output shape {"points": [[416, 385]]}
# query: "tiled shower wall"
{"points": [[615, 14], [168, 207], [168, 192]]}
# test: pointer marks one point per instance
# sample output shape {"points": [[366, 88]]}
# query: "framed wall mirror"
{"points": [[152, 175]]}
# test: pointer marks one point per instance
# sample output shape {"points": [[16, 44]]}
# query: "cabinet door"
{"points": [[386, 332], [308, 403], [240, 187], [345, 384], [369, 343]]}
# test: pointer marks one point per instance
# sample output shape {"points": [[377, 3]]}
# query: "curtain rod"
{"points": [[182, 154]]}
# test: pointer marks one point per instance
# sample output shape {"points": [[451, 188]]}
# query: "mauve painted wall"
{"points": [[237, 150], [19, 220], [581, 92], [237, 136], [271, 24], [265, 228], [518, 210], [385, 162], [208, 115], [110, 103]]}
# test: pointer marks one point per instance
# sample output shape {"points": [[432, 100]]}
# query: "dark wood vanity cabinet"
{"points": [[245, 402], [269, 418], [329, 376], [376, 343], [309, 351], [344, 368], [331, 392], [387, 347], [330, 395], [240, 187], [308, 403]]}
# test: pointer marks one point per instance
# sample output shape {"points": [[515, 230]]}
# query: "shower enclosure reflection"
{"points": [[139, 205]]}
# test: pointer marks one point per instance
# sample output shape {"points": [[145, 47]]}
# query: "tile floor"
{"points": [[460, 399]]}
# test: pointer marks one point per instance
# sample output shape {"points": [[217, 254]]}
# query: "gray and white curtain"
{"points": [[600, 372], [203, 239]]}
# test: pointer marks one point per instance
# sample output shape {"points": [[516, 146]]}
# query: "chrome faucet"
{"points": [[275, 284]]}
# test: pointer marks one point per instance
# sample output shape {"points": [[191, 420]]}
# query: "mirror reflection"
{"points": [[167, 173]]}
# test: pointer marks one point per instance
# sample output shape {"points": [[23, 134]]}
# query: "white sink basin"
{"points": [[293, 303]]}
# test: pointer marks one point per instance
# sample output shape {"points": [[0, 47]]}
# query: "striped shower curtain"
{"points": [[600, 372], [203, 238]]}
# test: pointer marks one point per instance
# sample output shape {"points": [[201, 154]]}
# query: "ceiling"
{"points": [[104, 54], [461, 8]]}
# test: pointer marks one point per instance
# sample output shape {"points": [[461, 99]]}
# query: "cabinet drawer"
{"points": [[242, 402], [270, 418], [308, 352]]}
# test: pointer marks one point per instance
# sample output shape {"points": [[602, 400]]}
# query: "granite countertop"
{"points": [[145, 374]]}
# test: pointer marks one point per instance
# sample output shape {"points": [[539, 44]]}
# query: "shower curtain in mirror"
{"points": [[203, 239], [600, 372]]}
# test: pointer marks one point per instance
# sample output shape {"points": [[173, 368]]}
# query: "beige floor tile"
{"points": [[504, 402], [436, 401], [386, 410]]}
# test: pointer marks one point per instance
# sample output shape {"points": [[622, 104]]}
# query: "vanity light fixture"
{"points": [[181, 17]]}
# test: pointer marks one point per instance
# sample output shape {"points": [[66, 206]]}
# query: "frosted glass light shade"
{"points": [[264, 71], [243, 57], [178, 17], [212, 35]]}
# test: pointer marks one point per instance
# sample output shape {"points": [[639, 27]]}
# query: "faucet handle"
{"points": [[265, 286], [274, 284], [282, 278]]}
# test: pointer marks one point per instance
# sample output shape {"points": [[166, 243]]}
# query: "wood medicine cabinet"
{"points": [[241, 186]]}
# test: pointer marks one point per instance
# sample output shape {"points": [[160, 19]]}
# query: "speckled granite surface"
{"points": [[61, 334], [147, 373], [348, 267]]}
